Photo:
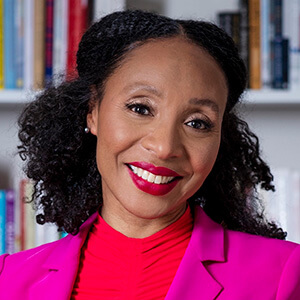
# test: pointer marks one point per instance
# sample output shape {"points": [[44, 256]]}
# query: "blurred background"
{"points": [[39, 39]]}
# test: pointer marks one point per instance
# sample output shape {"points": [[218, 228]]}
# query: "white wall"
{"points": [[278, 127]]}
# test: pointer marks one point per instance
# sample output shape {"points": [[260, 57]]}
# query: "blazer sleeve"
{"points": [[289, 284], [2, 259]]}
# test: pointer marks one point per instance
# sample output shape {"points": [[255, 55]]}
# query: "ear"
{"points": [[92, 117]]}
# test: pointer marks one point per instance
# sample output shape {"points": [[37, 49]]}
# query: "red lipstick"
{"points": [[162, 171], [153, 188]]}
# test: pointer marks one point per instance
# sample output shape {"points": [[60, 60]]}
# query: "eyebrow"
{"points": [[141, 86], [194, 101], [205, 102]]}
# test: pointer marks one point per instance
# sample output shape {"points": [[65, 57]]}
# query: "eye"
{"points": [[140, 109], [199, 124]]}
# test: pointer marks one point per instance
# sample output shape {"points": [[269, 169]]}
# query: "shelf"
{"points": [[272, 97], [15, 96], [251, 97]]}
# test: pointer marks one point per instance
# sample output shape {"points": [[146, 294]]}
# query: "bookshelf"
{"points": [[274, 115], [272, 97], [257, 97], [13, 97]]}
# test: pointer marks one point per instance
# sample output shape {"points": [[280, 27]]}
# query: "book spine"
{"points": [[28, 44], [19, 29], [22, 213], [74, 35], [265, 44], [225, 22], [254, 45], [60, 36], [279, 63], [285, 63], [91, 8], [84, 16], [30, 225], [39, 45], [291, 17], [244, 32], [49, 42], [230, 22], [293, 221], [236, 19], [9, 45], [2, 221], [277, 17], [1, 46], [10, 222]]}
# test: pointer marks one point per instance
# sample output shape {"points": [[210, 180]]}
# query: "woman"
{"points": [[173, 214]]}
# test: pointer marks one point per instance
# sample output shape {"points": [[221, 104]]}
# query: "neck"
{"points": [[134, 226]]}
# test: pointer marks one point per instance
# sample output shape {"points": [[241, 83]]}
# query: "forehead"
{"points": [[171, 62], [175, 49]]}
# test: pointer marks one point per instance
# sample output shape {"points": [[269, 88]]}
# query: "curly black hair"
{"points": [[61, 158]]}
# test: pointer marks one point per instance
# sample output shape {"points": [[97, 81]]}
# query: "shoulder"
{"points": [[271, 260], [30, 257], [54, 252], [258, 244]]}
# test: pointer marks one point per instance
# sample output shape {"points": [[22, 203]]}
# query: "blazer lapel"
{"points": [[60, 268], [192, 280]]}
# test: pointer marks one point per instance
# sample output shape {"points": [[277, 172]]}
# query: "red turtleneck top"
{"points": [[113, 266]]}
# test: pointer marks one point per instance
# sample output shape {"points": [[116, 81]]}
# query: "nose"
{"points": [[164, 141]]}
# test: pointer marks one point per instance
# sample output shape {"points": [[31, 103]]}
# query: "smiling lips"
{"points": [[153, 180]]}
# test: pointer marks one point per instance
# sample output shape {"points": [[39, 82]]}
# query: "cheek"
{"points": [[204, 159], [113, 138]]}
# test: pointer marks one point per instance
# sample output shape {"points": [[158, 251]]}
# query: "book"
{"points": [[265, 44], [10, 222], [27, 215], [28, 44], [9, 45], [291, 17], [254, 45], [90, 14], [49, 42], [244, 31], [293, 220], [19, 43], [230, 22], [23, 183], [77, 21], [1, 46], [39, 45], [276, 18], [279, 63], [60, 37], [29, 218], [2, 221]]}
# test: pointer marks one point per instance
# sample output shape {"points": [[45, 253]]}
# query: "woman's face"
{"points": [[158, 128]]}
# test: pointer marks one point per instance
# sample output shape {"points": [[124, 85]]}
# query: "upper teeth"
{"points": [[149, 176]]}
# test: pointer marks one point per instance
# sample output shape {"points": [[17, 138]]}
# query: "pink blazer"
{"points": [[218, 264]]}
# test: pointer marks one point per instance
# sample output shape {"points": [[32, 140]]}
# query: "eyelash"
{"points": [[208, 125], [136, 108]]}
